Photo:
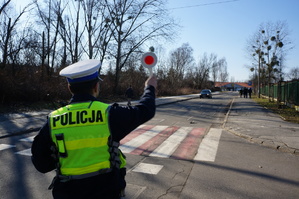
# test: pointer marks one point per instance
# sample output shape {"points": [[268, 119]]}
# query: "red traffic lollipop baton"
{"points": [[149, 60]]}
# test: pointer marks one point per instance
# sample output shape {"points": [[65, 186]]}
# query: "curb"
{"points": [[228, 112], [267, 143]]}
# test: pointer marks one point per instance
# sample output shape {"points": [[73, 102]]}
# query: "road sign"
{"points": [[149, 60]]}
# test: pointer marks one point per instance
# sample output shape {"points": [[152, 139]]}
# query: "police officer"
{"points": [[80, 141]]}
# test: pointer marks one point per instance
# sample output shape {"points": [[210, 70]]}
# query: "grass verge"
{"points": [[287, 113]]}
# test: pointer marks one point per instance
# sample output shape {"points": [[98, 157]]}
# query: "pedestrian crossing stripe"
{"points": [[26, 152], [187, 143], [208, 148], [6, 146], [140, 136], [163, 141], [152, 169], [28, 139], [170, 144]]}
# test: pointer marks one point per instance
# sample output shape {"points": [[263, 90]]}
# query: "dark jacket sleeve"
{"points": [[41, 151], [124, 119]]}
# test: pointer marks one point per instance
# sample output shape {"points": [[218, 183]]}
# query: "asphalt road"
{"points": [[181, 153]]}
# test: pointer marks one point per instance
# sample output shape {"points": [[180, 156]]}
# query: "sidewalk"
{"points": [[249, 120], [245, 118]]}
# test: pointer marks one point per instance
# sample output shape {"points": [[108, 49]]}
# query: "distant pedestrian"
{"points": [[249, 92], [129, 94], [241, 92], [245, 92]]}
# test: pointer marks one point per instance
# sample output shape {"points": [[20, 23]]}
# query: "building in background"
{"points": [[232, 86]]}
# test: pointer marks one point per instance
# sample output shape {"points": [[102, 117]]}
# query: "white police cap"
{"points": [[82, 71]]}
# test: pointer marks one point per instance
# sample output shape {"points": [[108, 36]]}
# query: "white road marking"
{"points": [[208, 148], [148, 168], [6, 146], [26, 152], [28, 139], [139, 140], [171, 144], [206, 151]]}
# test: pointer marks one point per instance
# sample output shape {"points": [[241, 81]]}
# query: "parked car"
{"points": [[206, 93]]}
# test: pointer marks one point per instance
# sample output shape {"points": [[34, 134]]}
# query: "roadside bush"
{"points": [[25, 85]]}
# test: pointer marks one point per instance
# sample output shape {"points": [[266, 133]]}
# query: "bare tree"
{"points": [[10, 41], [223, 74], [179, 61], [63, 29], [218, 68], [32, 54], [267, 49], [74, 30], [214, 67], [202, 73], [294, 73], [134, 22], [46, 15], [4, 5], [97, 26]]}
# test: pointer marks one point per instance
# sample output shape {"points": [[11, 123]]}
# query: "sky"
{"points": [[223, 27]]}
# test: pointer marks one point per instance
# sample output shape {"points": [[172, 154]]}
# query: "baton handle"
{"points": [[150, 71]]}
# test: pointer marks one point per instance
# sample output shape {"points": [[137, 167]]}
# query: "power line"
{"points": [[204, 4]]}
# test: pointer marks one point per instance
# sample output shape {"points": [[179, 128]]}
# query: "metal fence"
{"points": [[284, 92]]}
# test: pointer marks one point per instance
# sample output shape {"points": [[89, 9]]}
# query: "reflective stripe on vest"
{"points": [[80, 132]]}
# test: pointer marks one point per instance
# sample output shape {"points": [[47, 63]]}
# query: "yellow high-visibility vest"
{"points": [[81, 133]]}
